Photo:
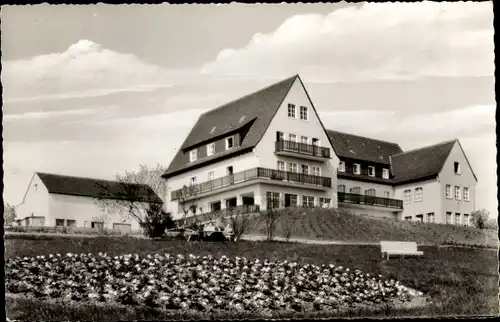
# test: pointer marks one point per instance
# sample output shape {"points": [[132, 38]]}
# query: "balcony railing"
{"points": [[251, 174], [302, 148], [369, 200]]}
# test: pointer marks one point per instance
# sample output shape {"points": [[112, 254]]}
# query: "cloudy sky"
{"points": [[96, 90]]}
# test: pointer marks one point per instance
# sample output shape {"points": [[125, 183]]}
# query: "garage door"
{"points": [[124, 228]]}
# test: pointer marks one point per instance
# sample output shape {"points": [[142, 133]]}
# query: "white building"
{"points": [[270, 149], [57, 200]]}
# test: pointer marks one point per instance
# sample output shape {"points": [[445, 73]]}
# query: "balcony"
{"points": [[369, 200], [302, 150], [251, 175]]}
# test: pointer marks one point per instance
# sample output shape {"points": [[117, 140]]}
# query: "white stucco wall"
{"points": [[464, 179], [35, 201], [311, 128], [83, 209], [239, 163], [431, 202]]}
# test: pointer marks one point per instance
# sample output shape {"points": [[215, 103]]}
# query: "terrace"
{"points": [[369, 200], [251, 176]]}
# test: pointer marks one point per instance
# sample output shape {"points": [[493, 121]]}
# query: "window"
{"points": [[193, 155], [293, 167], [430, 217], [448, 192], [420, 218], [457, 192], [193, 181], [342, 166], [59, 222], [229, 143], [457, 218], [210, 175], [304, 113], [308, 201], [273, 199], [280, 136], [357, 168], [456, 167], [387, 194], [419, 194], [408, 218], [407, 196], [291, 111], [466, 220], [385, 173], [229, 170], [304, 139], [466, 194], [371, 171], [36, 187], [317, 171], [292, 137], [71, 223], [210, 149], [340, 188], [370, 192], [355, 190], [305, 169], [281, 165], [448, 218], [325, 202]]}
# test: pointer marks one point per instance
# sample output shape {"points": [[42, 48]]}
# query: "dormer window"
{"points": [[210, 149], [229, 143], [291, 111], [385, 173], [304, 113], [456, 167], [371, 171], [193, 155], [357, 168], [342, 166]]}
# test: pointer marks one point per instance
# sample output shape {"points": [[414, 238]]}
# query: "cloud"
{"points": [[46, 115], [413, 128], [373, 41], [85, 69]]}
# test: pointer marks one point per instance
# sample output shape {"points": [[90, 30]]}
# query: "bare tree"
{"points": [[239, 221], [135, 194], [271, 215], [289, 222]]}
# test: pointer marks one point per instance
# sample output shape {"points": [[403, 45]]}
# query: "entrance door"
{"points": [[231, 203], [290, 200]]}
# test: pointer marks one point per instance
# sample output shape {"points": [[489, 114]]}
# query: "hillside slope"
{"points": [[328, 224]]}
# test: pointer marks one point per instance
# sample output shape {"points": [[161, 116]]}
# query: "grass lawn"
{"points": [[317, 223], [459, 281]]}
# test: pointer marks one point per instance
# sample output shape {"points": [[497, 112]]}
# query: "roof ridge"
{"points": [[426, 147], [363, 137], [247, 95], [89, 178]]}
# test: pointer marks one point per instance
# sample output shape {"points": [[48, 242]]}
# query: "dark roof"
{"points": [[420, 163], [258, 107], [89, 187], [362, 148]]}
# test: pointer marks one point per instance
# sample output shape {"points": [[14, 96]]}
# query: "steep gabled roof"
{"points": [[357, 147], [420, 163], [258, 107], [89, 187]]}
